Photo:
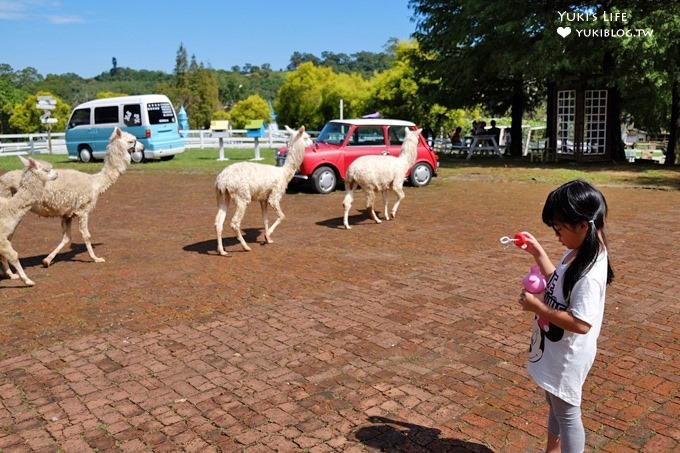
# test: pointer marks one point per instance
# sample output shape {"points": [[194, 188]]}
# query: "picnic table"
{"points": [[478, 144]]}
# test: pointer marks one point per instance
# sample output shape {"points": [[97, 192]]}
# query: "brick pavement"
{"points": [[403, 336]]}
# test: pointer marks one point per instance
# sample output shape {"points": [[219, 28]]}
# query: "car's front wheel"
{"points": [[324, 179], [421, 175]]}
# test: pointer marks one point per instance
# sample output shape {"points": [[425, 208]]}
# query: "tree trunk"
{"points": [[674, 129], [516, 115], [616, 146]]}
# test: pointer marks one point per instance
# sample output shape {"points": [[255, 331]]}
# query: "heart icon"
{"points": [[563, 31]]}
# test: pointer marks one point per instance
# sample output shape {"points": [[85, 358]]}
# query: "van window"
{"points": [[132, 114], [104, 115], [160, 113], [80, 117]]}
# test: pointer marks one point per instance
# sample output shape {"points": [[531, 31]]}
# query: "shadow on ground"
{"points": [[209, 247], [397, 436]]}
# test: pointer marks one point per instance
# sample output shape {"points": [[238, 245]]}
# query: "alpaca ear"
{"points": [[118, 132], [418, 131], [289, 130], [301, 130], [26, 162]]}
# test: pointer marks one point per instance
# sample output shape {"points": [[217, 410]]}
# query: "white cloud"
{"points": [[36, 9], [10, 10], [65, 19]]}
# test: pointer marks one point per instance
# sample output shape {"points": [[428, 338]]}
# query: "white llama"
{"points": [[378, 173], [32, 181], [244, 182], [75, 193]]}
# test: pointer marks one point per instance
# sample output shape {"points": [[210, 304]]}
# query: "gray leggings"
{"points": [[564, 420]]}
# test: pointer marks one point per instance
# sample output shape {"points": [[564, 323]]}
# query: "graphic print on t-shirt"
{"points": [[543, 329]]}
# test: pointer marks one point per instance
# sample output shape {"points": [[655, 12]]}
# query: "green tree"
{"points": [[650, 78], [109, 94], [251, 108], [10, 95], [181, 67], [204, 98], [348, 87], [301, 96], [394, 92], [481, 52]]}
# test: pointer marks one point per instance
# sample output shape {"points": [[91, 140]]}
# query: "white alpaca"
{"points": [[381, 174], [75, 193], [32, 181], [244, 182]]}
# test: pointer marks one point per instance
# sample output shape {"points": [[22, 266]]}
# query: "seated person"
{"points": [[455, 137], [495, 131]]}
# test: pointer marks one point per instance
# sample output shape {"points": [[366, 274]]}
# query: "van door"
{"points": [[78, 131], [132, 119], [162, 133], [105, 120]]}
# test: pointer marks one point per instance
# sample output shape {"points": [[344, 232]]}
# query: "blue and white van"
{"points": [[149, 117]]}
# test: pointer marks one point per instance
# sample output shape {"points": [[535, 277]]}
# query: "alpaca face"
{"points": [[43, 170], [297, 135], [127, 142]]}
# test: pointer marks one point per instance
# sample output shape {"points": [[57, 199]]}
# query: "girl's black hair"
{"points": [[571, 204]]}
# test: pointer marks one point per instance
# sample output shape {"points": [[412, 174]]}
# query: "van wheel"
{"points": [[85, 154], [137, 157]]}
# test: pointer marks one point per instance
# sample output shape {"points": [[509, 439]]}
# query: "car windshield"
{"points": [[333, 133]]}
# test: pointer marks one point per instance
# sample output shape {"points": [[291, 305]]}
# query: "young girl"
{"points": [[569, 313]]}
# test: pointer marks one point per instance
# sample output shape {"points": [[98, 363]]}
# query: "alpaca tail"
{"points": [[222, 198]]}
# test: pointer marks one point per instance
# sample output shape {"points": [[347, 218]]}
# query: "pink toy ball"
{"points": [[534, 282], [520, 240]]}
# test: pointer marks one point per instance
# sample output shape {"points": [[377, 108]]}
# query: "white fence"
{"points": [[234, 138], [13, 144]]}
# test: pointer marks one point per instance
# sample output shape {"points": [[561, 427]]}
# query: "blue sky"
{"points": [[82, 36]]}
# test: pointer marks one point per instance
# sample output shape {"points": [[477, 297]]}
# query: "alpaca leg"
{"points": [[347, 204], [279, 215], [385, 210], [239, 212], [400, 196], [87, 238], [8, 269], [65, 239], [222, 207], [370, 203], [265, 220], [10, 255]]}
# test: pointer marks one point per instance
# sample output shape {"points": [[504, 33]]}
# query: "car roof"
{"points": [[374, 122]]}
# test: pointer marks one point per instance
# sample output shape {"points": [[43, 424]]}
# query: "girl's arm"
{"points": [[563, 319], [534, 248]]}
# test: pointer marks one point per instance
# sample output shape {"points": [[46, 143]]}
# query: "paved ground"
{"points": [[403, 336]]}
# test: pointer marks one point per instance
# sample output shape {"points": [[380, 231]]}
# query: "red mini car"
{"points": [[341, 141]]}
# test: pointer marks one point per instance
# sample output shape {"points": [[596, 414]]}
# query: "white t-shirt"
{"points": [[559, 360]]}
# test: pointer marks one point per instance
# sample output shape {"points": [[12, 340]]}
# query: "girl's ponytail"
{"points": [[574, 203]]}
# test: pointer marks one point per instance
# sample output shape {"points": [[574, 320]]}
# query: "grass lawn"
{"points": [[648, 175]]}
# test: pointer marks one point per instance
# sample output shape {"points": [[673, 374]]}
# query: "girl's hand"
{"points": [[531, 302], [532, 246]]}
